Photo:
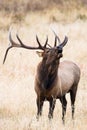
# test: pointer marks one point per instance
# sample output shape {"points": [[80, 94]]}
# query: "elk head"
{"points": [[53, 54], [49, 54]]}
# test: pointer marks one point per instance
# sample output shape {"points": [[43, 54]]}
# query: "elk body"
{"points": [[54, 79]]}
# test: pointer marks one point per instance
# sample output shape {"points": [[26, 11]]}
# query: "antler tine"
{"points": [[57, 37], [21, 43], [13, 44], [55, 43], [40, 46], [46, 42], [64, 42], [49, 45], [38, 42], [6, 53]]}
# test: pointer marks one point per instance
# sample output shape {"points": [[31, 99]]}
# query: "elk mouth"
{"points": [[60, 55]]}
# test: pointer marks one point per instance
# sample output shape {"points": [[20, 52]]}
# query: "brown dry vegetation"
{"points": [[17, 95]]}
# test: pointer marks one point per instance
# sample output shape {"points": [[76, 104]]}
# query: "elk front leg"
{"points": [[40, 102], [64, 105], [52, 102]]}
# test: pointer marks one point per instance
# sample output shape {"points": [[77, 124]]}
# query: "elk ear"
{"points": [[39, 53]]}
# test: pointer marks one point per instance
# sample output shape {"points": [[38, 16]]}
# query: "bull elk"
{"points": [[54, 78]]}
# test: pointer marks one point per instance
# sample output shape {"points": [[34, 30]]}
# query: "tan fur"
{"points": [[68, 74]]}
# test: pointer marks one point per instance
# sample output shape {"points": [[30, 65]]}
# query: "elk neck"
{"points": [[48, 74]]}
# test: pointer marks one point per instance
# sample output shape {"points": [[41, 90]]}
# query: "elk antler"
{"points": [[56, 38], [64, 42], [42, 47], [14, 44], [61, 45]]}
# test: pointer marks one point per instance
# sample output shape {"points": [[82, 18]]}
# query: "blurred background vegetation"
{"points": [[24, 6], [69, 9]]}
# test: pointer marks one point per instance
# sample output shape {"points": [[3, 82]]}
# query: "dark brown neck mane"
{"points": [[47, 74]]}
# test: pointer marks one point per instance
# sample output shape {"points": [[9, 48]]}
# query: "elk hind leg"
{"points": [[73, 97]]}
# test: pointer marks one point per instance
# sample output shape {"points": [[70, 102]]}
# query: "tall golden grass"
{"points": [[17, 95]]}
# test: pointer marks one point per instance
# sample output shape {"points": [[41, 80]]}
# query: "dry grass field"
{"points": [[17, 95]]}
